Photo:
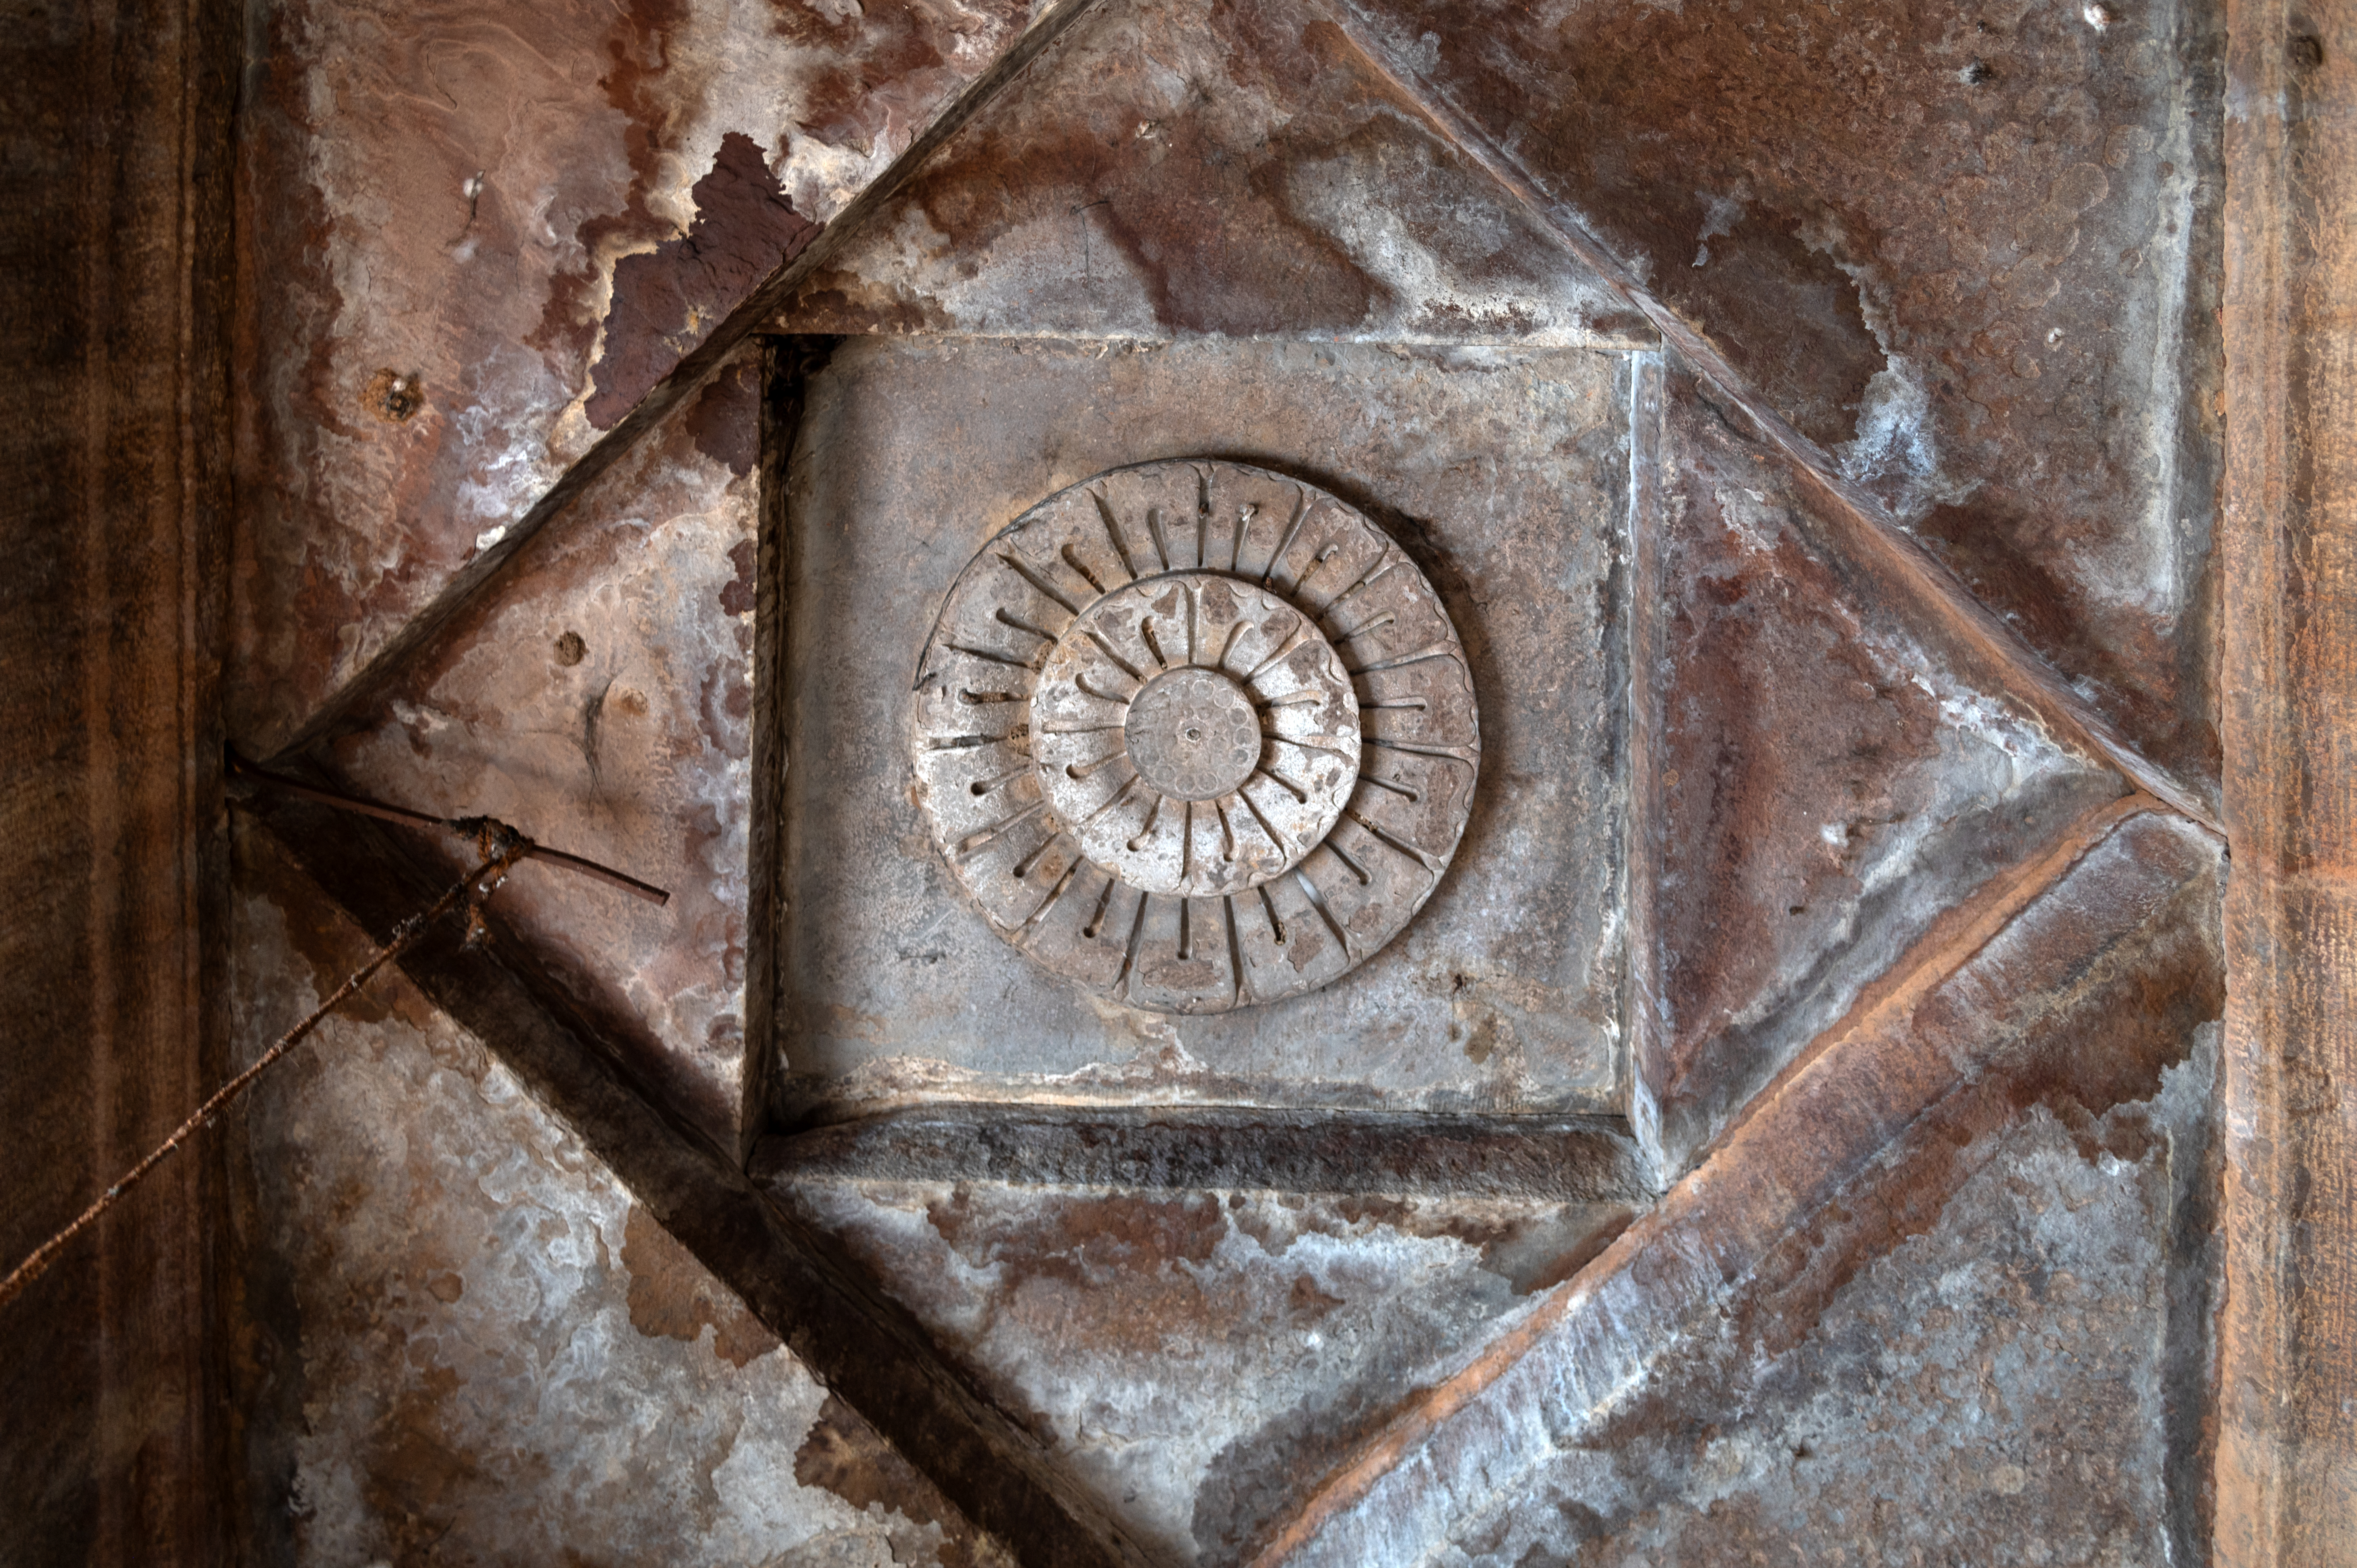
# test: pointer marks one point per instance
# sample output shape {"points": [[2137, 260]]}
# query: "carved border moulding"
{"points": [[1195, 736]]}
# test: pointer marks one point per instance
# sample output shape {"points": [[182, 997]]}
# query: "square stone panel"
{"points": [[1502, 473]]}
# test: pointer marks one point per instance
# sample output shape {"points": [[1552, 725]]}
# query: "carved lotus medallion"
{"points": [[1195, 735]]}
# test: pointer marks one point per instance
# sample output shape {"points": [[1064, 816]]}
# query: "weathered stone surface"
{"points": [[1501, 473], [2078, 990], [472, 241], [1831, 775], [2003, 1386], [1937, 1025], [466, 1342], [1238, 169], [1971, 255], [1196, 1357], [602, 703]]}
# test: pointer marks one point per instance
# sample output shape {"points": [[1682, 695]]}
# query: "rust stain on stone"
{"points": [[737, 595], [725, 421], [1204, 167], [674, 1297], [638, 53], [1972, 256], [392, 395], [876, 48], [846, 1456], [666, 300]]}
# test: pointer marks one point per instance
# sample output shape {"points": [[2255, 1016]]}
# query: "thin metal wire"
{"points": [[505, 848], [465, 827]]}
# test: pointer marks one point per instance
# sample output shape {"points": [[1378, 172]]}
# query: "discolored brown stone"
{"points": [[1985, 294], [1226, 168], [529, 216], [665, 299], [1832, 773]]}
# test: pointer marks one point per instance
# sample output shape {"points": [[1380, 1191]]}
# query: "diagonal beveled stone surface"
{"points": [[1971, 256], [1180, 170], [1831, 772], [2077, 991]]}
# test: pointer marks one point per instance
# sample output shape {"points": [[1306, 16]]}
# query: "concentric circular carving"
{"points": [[1195, 735]]}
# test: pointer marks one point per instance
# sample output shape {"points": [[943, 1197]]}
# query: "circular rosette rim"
{"points": [[1366, 709]]}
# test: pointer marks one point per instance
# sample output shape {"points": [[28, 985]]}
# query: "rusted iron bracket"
{"points": [[485, 831]]}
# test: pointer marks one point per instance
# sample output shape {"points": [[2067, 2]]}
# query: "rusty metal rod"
{"points": [[475, 887], [471, 828]]}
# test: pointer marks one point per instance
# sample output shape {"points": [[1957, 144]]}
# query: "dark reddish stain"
{"points": [[1090, 1241], [737, 595], [724, 422], [666, 300], [849, 1457], [874, 54], [673, 1296], [1793, 184], [639, 56]]}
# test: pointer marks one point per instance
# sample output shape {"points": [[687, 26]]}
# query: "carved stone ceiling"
{"points": [[1691, 1041]]}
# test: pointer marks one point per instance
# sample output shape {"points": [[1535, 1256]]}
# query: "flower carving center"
{"points": [[1194, 734]]}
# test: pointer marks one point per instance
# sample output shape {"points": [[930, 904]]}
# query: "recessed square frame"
{"points": [[1514, 476]]}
